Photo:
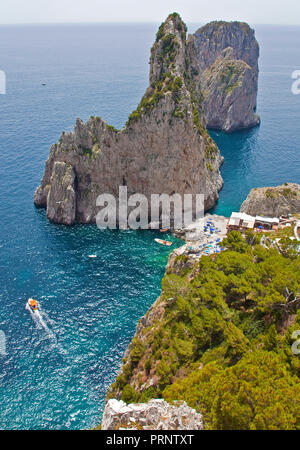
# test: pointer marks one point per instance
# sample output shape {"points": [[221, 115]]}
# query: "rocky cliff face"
{"points": [[61, 199], [154, 415], [164, 147], [273, 201], [227, 54]]}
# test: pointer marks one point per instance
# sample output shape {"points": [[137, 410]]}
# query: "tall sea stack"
{"points": [[227, 54], [164, 147], [209, 79]]}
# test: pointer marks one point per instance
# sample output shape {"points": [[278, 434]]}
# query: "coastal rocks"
{"points": [[164, 147], [61, 201], [273, 201], [154, 415], [227, 55]]}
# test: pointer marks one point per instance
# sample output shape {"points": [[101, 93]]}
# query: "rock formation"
{"points": [[227, 54], [273, 201], [154, 415], [164, 147], [208, 79], [61, 200]]}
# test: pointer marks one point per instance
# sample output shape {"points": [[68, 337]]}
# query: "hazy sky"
{"points": [[252, 11]]}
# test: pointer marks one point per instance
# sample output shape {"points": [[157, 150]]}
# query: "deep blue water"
{"points": [[56, 377]]}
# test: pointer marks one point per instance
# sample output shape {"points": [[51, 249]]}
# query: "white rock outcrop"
{"points": [[154, 415]]}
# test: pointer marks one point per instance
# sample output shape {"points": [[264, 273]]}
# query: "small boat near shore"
{"points": [[162, 242]]}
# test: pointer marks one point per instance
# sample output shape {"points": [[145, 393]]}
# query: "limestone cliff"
{"points": [[61, 196], [273, 201], [164, 147], [227, 54], [154, 415]]}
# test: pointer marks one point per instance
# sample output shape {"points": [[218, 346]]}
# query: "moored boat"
{"points": [[162, 242]]}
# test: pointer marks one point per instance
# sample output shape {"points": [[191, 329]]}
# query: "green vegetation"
{"points": [[197, 121], [180, 26], [178, 113], [168, 80], [86, 151], [211, 149], [223, 343], [129, 394], [285, 192], [167, 83], [168, 46], [230, 77], [91, 152], [149, 100], [112, 128], [271, 193], [160, 32], [137, 351], [256, 393]]}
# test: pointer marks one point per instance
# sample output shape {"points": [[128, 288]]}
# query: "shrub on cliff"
{"points": [[224, 338], [257, 393], [128, 394]]}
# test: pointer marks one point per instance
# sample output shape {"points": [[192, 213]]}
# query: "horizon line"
{"points": [[142, 23]]}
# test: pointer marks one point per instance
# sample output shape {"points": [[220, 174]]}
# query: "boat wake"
{"points": [[41, 319], [46, 318]]}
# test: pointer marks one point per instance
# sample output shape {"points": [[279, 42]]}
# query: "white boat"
{"points": [[162, 242], [92, 256]]}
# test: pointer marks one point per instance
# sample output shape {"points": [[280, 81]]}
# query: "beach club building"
{"points": [[241, 222]]}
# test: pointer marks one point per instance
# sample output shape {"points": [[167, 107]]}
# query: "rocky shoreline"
{"points": [[273, 201]]}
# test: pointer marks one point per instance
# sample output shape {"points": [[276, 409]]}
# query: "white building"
{"points": [[241, 221]]}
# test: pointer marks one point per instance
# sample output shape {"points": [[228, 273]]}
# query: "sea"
{"points": [[55, 368]]}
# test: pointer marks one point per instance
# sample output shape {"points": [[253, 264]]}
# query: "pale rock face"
{"points": [[154, 415], [227, 55], [164, 147], [61, 200], [273, 201]]}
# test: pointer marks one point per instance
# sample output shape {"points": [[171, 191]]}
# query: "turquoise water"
{"points": [[56, 372]]}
